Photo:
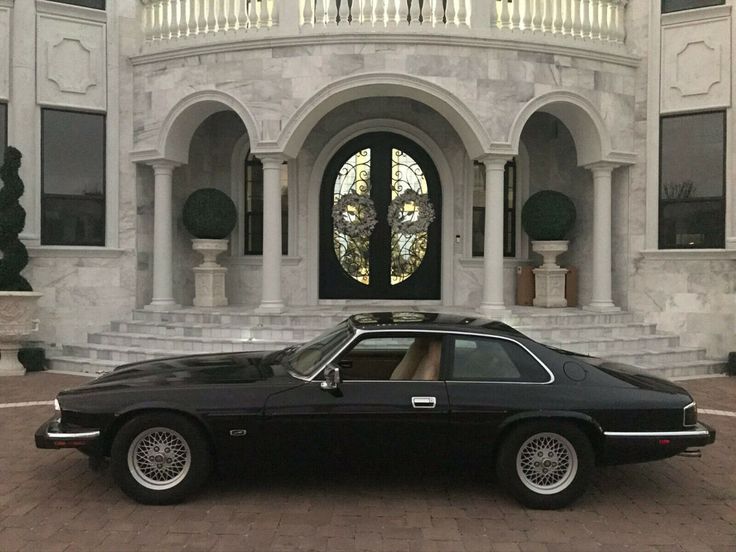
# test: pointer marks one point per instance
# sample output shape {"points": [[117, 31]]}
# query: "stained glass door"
{"points": [[380, 208]]}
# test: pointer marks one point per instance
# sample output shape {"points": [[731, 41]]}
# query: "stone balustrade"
{"points": [[599, 23]]}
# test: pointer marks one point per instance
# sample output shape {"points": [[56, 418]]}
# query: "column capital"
{"points": [[495, 160], [602, 167], [162, 165], [270, 158]]}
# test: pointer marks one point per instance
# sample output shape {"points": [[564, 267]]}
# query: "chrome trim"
{"points": [[359, 332], [684, 414], [424, 402], [693, 433], [73, 436]]}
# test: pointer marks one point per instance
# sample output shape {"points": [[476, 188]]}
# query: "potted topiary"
{"points": [[209, 215], [547, 217], [18, 302]]}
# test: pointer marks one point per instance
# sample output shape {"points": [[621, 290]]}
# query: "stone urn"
{"points": [[549, 279], [209, 277], [17, 322]]}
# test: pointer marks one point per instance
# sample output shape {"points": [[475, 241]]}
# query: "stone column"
{"points": [[271, 301], [492, 303], [602, 295], [163, 296]]}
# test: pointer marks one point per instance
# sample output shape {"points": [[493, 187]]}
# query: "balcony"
{"points": [[592, 26]]}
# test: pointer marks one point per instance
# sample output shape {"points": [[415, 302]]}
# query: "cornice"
{"points": [[695, 15], [582, 48], [67, 10], [6, 3]]}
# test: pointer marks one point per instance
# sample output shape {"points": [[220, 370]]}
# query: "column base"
{"points": [[549, 287], [267, 307], [602, 306], [9, 363], [162, 305], [495, 311], [731, 243]]}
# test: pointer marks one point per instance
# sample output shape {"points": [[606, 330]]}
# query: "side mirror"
{"points": [[332, 379]]}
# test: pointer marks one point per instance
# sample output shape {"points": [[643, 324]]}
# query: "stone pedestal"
{"points": [[17, 322], [549, 279], [209, 277]]}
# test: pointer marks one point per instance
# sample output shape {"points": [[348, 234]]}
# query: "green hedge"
{"points": [[548, 215], [209, 214], [13, 254]]}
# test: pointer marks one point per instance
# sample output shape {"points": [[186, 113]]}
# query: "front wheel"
{"points": [[545, 464], [160, 458]]}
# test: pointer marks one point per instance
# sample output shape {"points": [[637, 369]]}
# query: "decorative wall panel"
{"points": [[696, 65], [4, 53], [71, 63]]}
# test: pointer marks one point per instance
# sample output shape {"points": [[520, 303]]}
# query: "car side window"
{"points": [[392, 358], [491, 359]]}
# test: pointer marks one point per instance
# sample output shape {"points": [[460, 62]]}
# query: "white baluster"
{"points": [[391, 13], [620, 34], [331, 12], [308, 13], [157, 21], [414, 12], [528, 9], [165, 20], [273, 14], [252, 15], [182, 13], [462, 14], [595, 30], [450, 13], [201, 21], [505, 15], [148, 22], [585, 29], [557, 23], [567, 22], [547, 21], [342, 12], [319, 13], [242, 14], [493, 15], [577, 25], [232, 20], [211, 16], [537, 20], [403, 12], [221, 18], [515, 13], [377, 13], [604, 19]]}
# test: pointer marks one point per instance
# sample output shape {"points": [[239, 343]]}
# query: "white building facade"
{"points": [[122, 108]]}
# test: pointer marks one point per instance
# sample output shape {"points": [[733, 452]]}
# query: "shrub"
{"points": [[13, 254], [209, 214], [548, 215]]}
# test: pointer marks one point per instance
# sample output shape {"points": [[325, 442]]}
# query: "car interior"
{"points": [[393, 358]]}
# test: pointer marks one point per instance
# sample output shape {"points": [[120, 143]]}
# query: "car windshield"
{"points": [[305, 358]]}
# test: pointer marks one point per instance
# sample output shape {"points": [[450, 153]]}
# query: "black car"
{"points": [[422, 384]]}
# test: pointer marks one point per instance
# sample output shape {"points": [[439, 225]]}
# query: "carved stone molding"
{"points": [[4, 52], [697, 68], [70, 66]]}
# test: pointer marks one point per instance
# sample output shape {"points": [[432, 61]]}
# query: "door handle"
{"points": [[423, 402]]}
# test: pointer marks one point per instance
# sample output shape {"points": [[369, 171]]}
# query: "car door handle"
{"points": [[423, 402]]}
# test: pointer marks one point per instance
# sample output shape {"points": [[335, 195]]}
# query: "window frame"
{"points": [[4, 131], [704, 4], [79, 4], [510, 211], [104, 194], [253, 160], [724, 187]]}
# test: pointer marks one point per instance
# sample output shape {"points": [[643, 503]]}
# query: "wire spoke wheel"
{"points": [[159, 458], [547, 463]]}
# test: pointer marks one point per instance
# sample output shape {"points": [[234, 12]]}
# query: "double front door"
{"points": [[380, 221]]}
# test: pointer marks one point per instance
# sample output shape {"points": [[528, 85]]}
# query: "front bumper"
{"points": [[642, 446], [54, 435]]}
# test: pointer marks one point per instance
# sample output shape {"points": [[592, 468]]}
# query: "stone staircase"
{"points": [[152, 334]]}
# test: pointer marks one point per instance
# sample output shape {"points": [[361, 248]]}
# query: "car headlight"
{"points": [[690, 415], [57, 407]]}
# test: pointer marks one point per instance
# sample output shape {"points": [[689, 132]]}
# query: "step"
{"points": [[305, 320], [589, 331], [82, 365], [604, 346], [217, 331], [687, 370], [575, 318], [185, 343], [646, 359]]}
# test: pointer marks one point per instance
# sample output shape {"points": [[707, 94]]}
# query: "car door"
{"points": [[489, 378], [369, 414]]}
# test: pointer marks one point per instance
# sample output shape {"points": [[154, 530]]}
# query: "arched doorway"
{"points": [[380, 221]]}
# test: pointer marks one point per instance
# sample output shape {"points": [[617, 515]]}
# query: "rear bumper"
{"points": [[54, 435], [643, 446]]}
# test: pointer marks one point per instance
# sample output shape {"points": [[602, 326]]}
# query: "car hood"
{"points": [[240, 368]]}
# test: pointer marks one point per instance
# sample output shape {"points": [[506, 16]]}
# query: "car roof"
{"points": [[411, 320]]}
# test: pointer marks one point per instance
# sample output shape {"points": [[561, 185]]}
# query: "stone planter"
{"points": [[209, 277], [549, 279], [17, 322]]}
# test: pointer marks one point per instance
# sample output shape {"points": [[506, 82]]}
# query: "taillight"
{"points": [[690, 415]]}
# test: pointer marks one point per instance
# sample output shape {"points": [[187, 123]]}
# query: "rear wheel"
{"points": [[545, 464], [160, 458]]}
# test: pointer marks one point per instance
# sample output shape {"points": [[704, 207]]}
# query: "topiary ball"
{"points": [[548, 215], [209, 214]]}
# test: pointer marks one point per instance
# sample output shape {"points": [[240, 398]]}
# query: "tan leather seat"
{"points": [[429, 367], [405, 369]]}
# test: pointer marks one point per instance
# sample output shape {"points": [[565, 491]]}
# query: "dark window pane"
{"points": [[253, 216], [3, 131], [73, 178], [692, 181], [489, 359], [479, 210], [96, 4], [677, 5]]}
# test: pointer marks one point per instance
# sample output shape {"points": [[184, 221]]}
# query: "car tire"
{"points": [[160, 458], [545, 464]]}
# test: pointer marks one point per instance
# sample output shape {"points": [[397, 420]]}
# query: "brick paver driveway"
{"points": [[50, 500]]}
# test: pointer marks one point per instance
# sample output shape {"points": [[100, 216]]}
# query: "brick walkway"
{"points": [[50, 501]]}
